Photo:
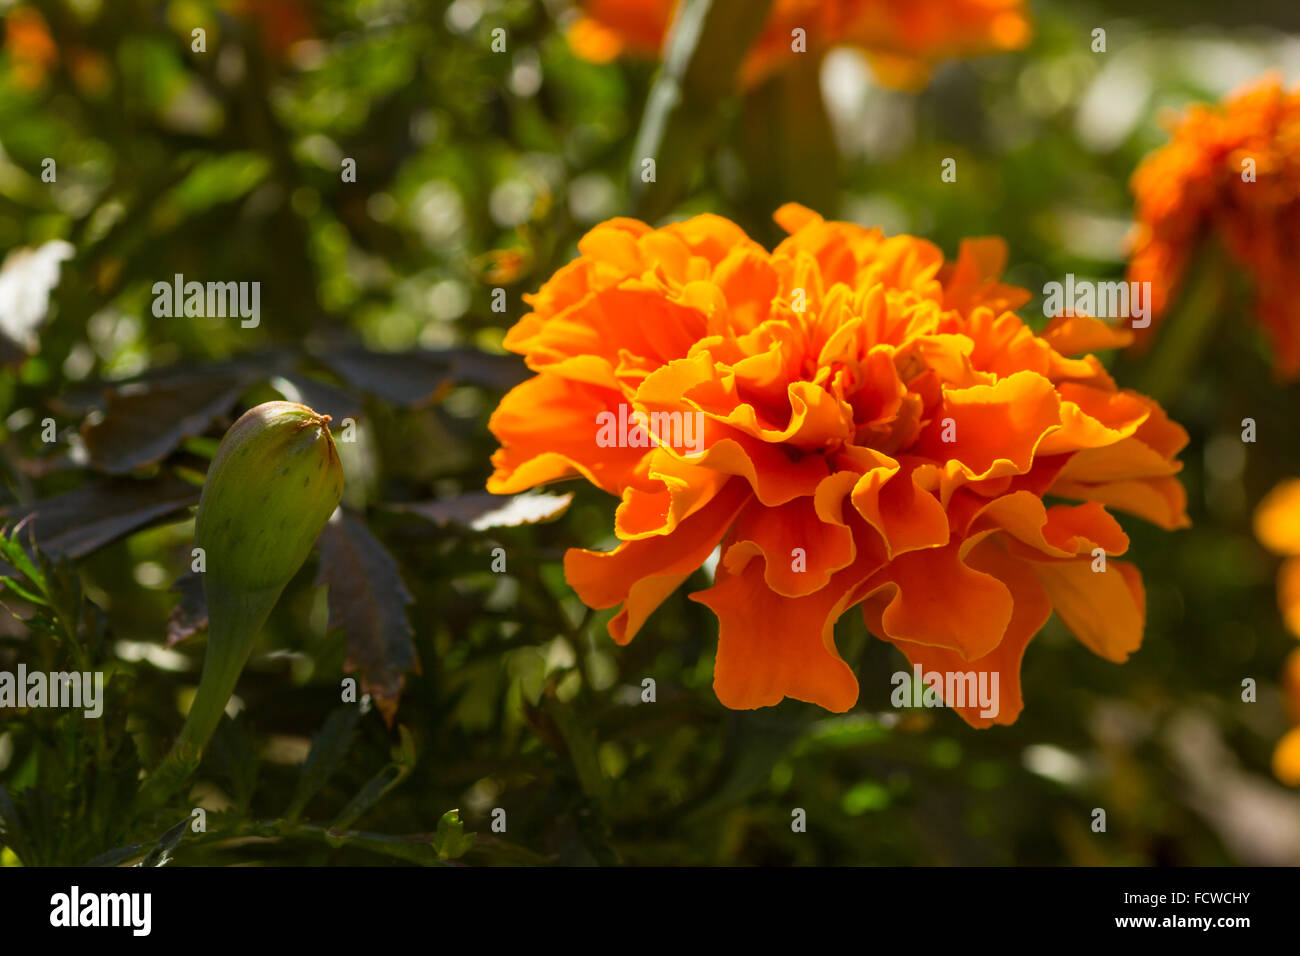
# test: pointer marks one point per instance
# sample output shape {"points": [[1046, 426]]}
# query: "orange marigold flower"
{"points": [[856, 422], [1234, 171], [904, 38]]}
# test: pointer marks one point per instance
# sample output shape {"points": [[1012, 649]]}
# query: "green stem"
{"points": [[235, 618], [705, 49], [1187, 329]]}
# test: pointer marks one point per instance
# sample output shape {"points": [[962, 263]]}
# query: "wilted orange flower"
{"points": [[855, 421], [903, 38], [1234, 171]]}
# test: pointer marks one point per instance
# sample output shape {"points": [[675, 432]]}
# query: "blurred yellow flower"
{"points": [[1286, 758], [1277, 526]]}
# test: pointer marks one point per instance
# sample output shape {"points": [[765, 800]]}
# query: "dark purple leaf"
{"points": [[367, 601], [190, 615], [83, 397], [421, 377], [480, 510], [493, 371], [325, 398], [78, 522], [143, 422]]}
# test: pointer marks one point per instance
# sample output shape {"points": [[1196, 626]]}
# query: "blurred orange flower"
{"points": [[1234, 171], [31, 49], [855, 421], [282, 23], [903, 38], [1286, 757]]}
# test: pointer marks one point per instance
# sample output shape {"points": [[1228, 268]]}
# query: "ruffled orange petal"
{"points": [[892, 500], [1105, 610], [995, 428], [801, 550], [1071, 335], [973, 279], [1030, 612], [1094, 418], [771, 647], [1062, 531], [547, 426], [672, 492], [641, 573], [1162, 501], [936, 598]]}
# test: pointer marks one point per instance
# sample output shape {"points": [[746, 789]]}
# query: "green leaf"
{"points": [[328, 750], [9, 584], [13, 833], [13, 554], [218, 180], [120, 855], [162, 850], [755, 744], [233, 759], [380, 784], [582, 747], [451, 841]]}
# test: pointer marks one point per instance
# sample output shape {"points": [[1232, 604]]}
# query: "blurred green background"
{"points": [[478, 170]]}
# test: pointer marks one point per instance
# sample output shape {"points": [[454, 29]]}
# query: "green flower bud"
{"points": [[272, 486]]}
